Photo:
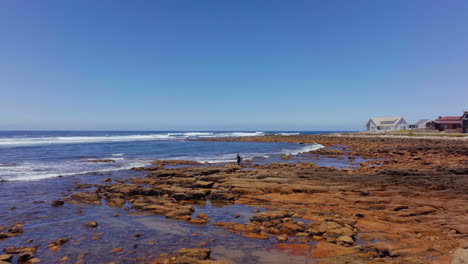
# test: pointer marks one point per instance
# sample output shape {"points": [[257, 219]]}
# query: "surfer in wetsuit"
{"points": [[238, 159]]}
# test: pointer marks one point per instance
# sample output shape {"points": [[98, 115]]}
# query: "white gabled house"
{"points": [[386, 124], [420, 124]]}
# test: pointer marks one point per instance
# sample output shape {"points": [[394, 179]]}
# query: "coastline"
{"points": [[406, 203]]}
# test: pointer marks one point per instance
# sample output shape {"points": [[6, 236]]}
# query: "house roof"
{"points": [[448, 118], [448, 121], [385, 121]]}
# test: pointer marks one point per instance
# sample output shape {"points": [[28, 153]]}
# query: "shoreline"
{"points": [[407, 203]]}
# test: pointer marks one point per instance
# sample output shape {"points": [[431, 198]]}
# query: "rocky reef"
{"points": [[406, 204]]}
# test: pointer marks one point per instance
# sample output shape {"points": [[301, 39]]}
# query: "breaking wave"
{"points": [[288, 134], [30, 171], [35, 141]]}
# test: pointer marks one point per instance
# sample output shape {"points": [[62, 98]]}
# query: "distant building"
{"points": [[464, 122], [420, 124], [446, 123], [386, 124]]}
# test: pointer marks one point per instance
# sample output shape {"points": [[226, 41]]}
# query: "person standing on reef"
{"points": [[238, 159]]}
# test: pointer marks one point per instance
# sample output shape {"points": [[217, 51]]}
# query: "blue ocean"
{"points": [[36, 155]]}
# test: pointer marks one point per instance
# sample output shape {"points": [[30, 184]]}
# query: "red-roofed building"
{"points": [[446, 122]]}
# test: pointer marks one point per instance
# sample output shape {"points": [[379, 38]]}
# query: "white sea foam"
{"points": [[306, 148], [27, 141], [191, 134], [247, 134], [117, 154], [288, 134], [38, 171]]}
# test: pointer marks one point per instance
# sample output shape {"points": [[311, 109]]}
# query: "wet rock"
{"points": [[91, 224], [291, 228], [259, 235], [190, 195], [269, 215], [345, 239], [83, 186], [86, 198], [16, 229], [25, 256], [196, 253], [11, 250], [203, 184], [125, 189], [326, 226], [181, 213], [115, 202], [6, 257], [158, 209], [56, 203], [282, 238], [3, 235], [201, 219], [221, 195], [116, 250], [55, 245], [33, 260], [106, 180], [224, 224]]}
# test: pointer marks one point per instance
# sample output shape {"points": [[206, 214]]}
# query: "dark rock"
{"points": [[56, 203], [25, 256], [400, 208], [91, 224]]}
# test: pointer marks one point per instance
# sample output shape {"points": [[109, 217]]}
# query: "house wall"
{"points": [[443, 127], [401, 125], [371, 126], [417, 126], [464, 123], [423, 125]]}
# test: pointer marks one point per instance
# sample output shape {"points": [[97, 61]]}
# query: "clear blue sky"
{"points": [[250, 65]]}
